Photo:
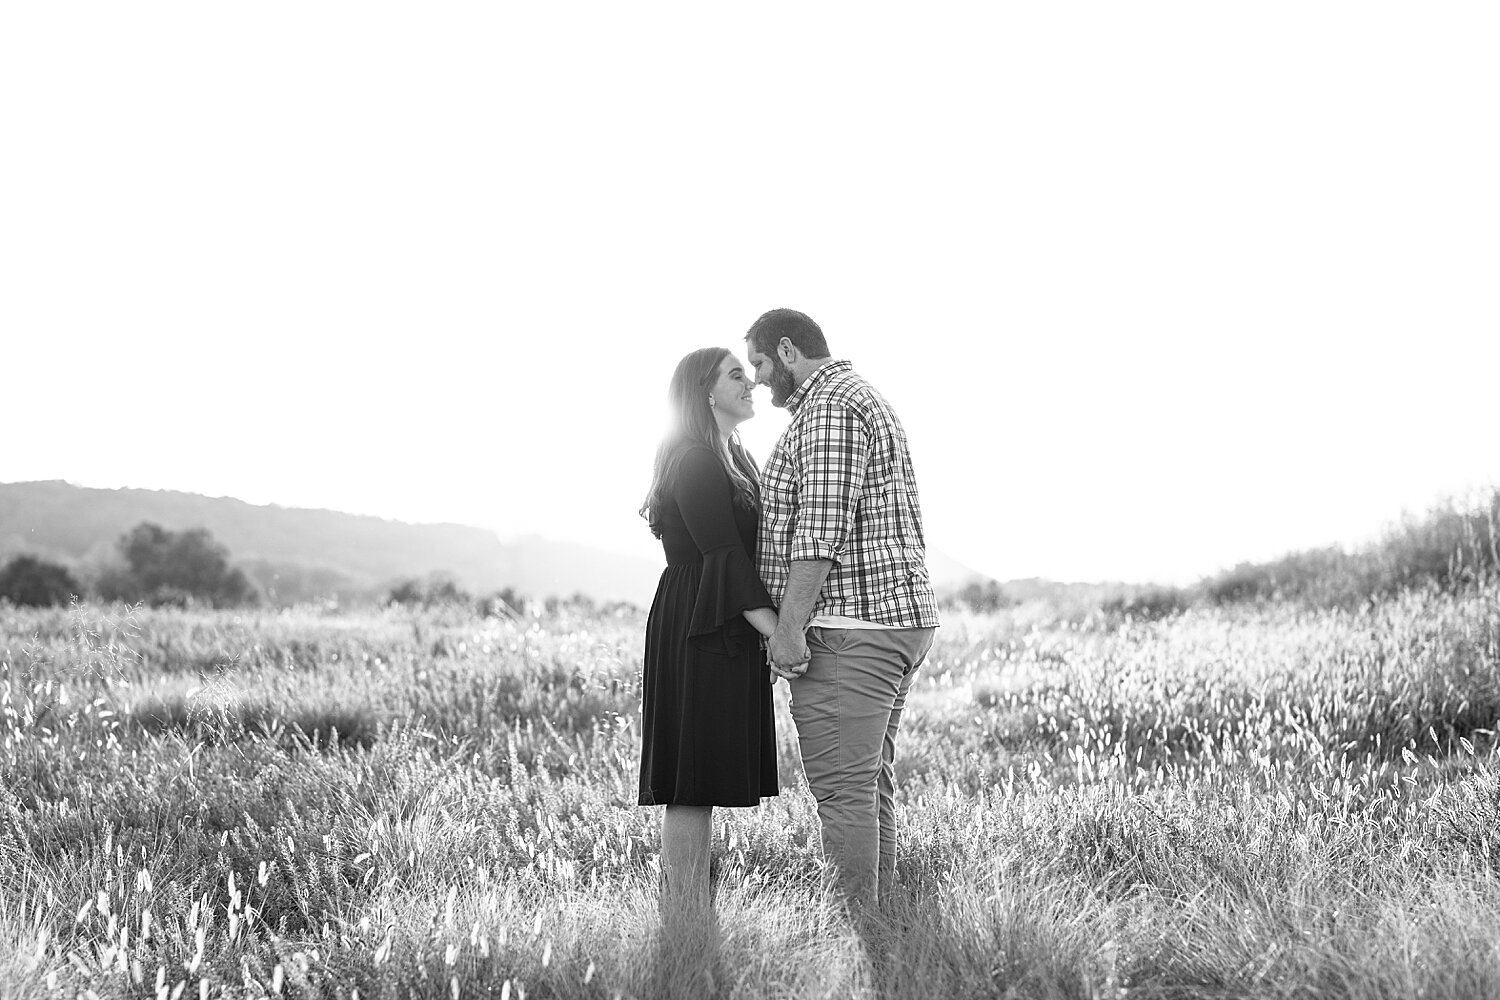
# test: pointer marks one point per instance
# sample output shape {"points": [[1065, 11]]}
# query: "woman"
{"points": [[708, 736]]}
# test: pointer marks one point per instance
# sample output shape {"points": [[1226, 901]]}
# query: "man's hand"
{"points": [[787, 650], [787, 646]]}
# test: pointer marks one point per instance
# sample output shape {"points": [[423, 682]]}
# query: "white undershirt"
{"points": [[840, 621]]}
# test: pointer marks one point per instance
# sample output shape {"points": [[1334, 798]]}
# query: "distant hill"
{"points": [[296, 554], [1035, 590], [948, 573], [299, 554]]}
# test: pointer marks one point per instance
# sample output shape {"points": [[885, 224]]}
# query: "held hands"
{"points": [[786, 652]]}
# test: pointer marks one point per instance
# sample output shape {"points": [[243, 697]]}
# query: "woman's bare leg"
{"points": [[686, 835]]}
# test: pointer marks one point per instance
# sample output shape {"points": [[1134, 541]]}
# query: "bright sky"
{"points": [[1154, 287]]}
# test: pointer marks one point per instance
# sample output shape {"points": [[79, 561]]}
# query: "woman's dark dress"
{"points": [[708, 736]]}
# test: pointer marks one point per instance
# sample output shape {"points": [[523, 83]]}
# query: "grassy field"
{"points": [[1234, 802]]}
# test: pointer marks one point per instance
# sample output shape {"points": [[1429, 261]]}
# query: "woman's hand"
{"points": [[768, 624], [787, 651]]}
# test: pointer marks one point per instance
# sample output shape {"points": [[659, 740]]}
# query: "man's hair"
{"points": [[805, 335]]}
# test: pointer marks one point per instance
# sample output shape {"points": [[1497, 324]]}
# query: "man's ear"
{"points": [[787, 351]]}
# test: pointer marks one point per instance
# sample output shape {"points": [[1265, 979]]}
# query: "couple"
{"points": [[822, 558]]}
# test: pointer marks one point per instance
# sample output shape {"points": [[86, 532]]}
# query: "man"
{"points": [[842, 554]]}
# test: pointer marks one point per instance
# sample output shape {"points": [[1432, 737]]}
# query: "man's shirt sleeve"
{"points": [[832, 455]]}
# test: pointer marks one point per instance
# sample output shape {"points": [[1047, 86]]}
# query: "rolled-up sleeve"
{"points": [[832, 457]]}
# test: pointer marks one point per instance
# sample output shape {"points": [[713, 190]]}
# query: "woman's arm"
{"points": [[764, 620]]}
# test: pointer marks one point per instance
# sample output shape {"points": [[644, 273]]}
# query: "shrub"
{"points": [[504, 603], [1148, 604], [176, 569], [1447, 548], [439, 590], [1449, 545], [983, 597], [408, 592], [36, 583]]}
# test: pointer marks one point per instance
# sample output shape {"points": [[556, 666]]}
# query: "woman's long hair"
{"points": [[693, 424]]}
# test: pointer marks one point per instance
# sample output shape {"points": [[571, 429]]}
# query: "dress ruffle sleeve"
{"points": [[729, 585]]}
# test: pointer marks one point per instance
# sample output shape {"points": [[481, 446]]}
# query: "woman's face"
{"points": [[730, 393]]}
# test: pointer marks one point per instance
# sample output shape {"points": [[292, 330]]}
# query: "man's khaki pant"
{"points": [[847, 708]]}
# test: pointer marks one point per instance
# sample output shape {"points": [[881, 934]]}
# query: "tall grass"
{"points": [[1253, 801]]}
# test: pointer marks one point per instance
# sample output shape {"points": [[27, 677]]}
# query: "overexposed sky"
{"points": [[1154, 287]]}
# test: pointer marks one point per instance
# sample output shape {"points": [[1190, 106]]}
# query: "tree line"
{"points": [[163, 568], [157, 567]]}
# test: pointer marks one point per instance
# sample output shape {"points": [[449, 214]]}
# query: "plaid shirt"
{"points": [[839, 486]]}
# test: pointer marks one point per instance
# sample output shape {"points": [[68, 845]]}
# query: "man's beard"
{"points": [[782, 382]]}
